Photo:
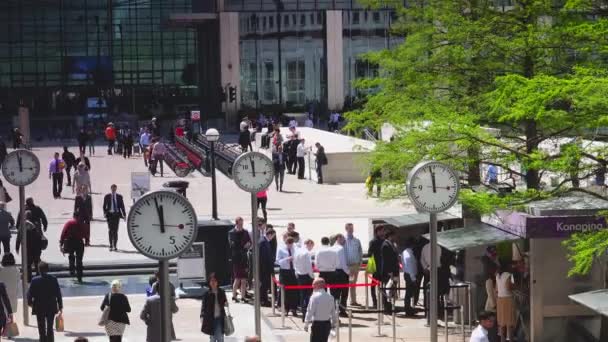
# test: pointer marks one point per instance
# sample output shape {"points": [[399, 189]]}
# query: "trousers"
{"points": [[319, 331], [341, 294], [113, 223], [300, 167], [57, 184], [75, 255], [304, 279], [45, 326]]}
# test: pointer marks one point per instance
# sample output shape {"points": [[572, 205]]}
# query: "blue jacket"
{"points": [[44, 295]]}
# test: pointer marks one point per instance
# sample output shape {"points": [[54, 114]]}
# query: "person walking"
{"points": [[56, 167], [83, 211], [6, 309], [321, 160], [110, 137], [410, 275], [151, 315], [279, 159], [291, 149], [6, 223], [321, 313], [374, 251], [34, 243], [301, 153], [82, 177], [144, 142], [72, 242], [326, 260], [389, 266], [240, 242], [113, 210], [287, 274], [9, 275], [17, 138], [158, 156], [213, 312], [4, 196], [266, 265], [44, 297], [486, 323], [505, 307], [118, 318], [245, 139], [127, 149], [91, 141], [38, 216], [262, 197], [70, 162], [354, 257], [82, 158], [304, 273], [341, 275], [83, 139]]}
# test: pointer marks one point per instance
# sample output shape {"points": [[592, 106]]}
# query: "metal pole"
{"points": [[310, 168], [434, 262], [165, 300], [394, 320], [213, 187], [24, 263], [337, 323], [379, 308], [366, 290], [470, 322], [256, 264], [462, 322], [272, 299], [282, 306], [350, 325]]}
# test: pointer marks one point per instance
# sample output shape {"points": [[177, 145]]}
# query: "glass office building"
{"points": [[149, 56]]}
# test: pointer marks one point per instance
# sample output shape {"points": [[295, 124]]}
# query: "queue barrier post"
{"points": [[445, 321], [366, 294], [470, 302], [394, 318], [462, 323], [379, 307], [282, 305], [337, 322], [272, 296], [350, 324]]}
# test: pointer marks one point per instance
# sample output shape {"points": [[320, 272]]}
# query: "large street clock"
{"points": [[162, 224], [21, 167], [253, 171], [432, 187]]}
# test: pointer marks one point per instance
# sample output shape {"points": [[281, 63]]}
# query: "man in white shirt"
{"points": [[486, 322], [321, 313], [300, 154], [410, 275], [287, 274], [341, 276], [304, 273], [354, 256], [326, 260], [425, 262]]}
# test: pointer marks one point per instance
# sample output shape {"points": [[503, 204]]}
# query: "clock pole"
{"points": [[256, 264], [164, 290], [24, 263], [434, 262]]}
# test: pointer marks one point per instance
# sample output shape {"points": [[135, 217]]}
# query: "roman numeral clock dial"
{"points": [[162, 225], [433, 187]]}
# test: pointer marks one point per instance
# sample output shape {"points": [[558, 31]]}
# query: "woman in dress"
{"points": [[9, 275], [81, 177], [505, 313], [118, 318], [212, 311], [491, 291]]}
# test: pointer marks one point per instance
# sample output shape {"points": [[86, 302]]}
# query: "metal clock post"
{"points": [[22, 168], [162, 225], [433, 187], [253, 172]]}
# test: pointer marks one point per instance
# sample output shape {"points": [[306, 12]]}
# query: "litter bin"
{"points": [[214, 235], [178, 186]]}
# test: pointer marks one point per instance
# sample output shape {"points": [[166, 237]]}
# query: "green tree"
{"points": [[532, 72]]}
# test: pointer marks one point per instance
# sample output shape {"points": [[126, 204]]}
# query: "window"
{"points": [[355, 18], [296, 76], [268, 82], [376, 17]]}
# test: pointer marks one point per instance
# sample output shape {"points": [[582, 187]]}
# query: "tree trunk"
{"points": [[469, 216]]}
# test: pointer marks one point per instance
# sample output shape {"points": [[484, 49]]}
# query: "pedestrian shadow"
{"points": [[83, 334], [67, 198], [274, 209], [126, 251], [93, 283], [291, 192], [23, 339]]}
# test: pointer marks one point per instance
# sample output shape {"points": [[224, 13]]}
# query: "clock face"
{"points": [[433, 187], [253, 171], [21, 167], [162, 225]]}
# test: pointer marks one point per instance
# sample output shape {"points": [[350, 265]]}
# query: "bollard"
{"points": [[394, 319], [464, 338], [445, 321], [272, 299], [350, 325], [470, 322], [338, 323], [367, 294], [282, 306], [380, 318]]}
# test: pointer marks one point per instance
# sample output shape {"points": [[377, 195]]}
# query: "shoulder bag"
{"points": [[105, 314], [228, 324]]}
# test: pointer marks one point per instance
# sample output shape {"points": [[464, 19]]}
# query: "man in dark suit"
{"points": [[321, 161], [6, 311], [374, 250], [38, 216], [70, 162], [83, 210], [291, 148], [44, 296], [279, 158], [113, 210], [390, 263], [266, 265]]}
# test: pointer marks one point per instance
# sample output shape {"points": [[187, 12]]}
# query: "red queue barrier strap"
{"points": [[374, 282]]}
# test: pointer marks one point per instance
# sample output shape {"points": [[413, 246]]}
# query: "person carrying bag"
{"points": [[215, 322]]}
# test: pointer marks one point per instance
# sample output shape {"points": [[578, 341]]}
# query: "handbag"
{"points": [[228, 324], [105, 314], [11, 330], [59, 325], [7, 197], [371, 265]]}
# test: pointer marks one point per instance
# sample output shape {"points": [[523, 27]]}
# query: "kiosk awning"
{"points": [[476, 235], [594, 300]]}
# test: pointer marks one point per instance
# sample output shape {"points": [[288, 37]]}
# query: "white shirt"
{"points": [[114, 204], [308, 123], [293, 123], [326, 259], [425, 257], [410, 266], [501, 284], [301, 152], [282, 255], [321, 307], [342, 265], [480, 334], [303, 263]]}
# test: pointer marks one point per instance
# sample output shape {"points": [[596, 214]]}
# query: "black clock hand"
{"points": [[252, 167], [433, 181], [440, 187], [170, 225], [161, 217], [20, 163]]}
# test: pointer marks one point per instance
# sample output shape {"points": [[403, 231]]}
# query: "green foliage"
{"points": [[534, 73]]}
